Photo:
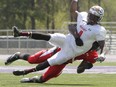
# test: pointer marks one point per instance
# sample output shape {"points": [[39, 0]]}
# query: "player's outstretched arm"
{"points": [[73, 9], [101, 44]]}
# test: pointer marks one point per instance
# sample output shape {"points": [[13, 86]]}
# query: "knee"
{"points": [[25, 56], [31, 60]]}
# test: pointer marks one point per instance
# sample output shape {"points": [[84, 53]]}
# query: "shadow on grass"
{"points": [[53, 84]]}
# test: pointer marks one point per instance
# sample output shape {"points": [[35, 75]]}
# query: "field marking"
{"points": [[68, 69]]}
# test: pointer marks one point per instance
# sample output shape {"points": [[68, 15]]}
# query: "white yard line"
{"points": [[68, 69]]}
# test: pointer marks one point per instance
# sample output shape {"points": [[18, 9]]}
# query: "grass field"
{"points": [[65, 80], [24, 63]]}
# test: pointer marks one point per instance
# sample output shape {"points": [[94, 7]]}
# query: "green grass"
{"points": [[65, 80], [76, 63], [17, 63]]}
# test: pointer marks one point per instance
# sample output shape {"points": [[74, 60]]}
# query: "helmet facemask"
{"points": [[93, 19]]}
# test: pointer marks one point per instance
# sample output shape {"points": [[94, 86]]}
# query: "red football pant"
{"points": [[54, 71]]}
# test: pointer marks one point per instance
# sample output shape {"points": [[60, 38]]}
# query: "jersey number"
{"points": [[80, 33]]}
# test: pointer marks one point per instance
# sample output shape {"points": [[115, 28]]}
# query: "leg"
{"points": [[12, 58], [57, 39], [43, 55], [33, 59], [88, 60], [17, 56], [39, 67], [37, 36], [56, 59], [53, 71], [38, 57]]}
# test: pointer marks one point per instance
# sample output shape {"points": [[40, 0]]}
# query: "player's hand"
{"points": [[75, 0], [16, 32], [19, 72], [100, 58], [73, 30]]}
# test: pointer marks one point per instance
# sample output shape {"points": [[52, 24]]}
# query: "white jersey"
{"points": [[88, 33]]}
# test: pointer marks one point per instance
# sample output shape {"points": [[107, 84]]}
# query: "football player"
{"points": [[88, 59], [78, 42]]}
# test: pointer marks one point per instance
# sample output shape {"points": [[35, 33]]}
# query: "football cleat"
{"points": [[34, 79], [16, 32], [12, 58], [26, 80], [19, 72]]}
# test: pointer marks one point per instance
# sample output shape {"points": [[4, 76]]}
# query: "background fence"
{"points": [[9, 44]]}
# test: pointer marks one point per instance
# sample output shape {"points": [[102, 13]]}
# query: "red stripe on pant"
{"points": [[35, 59]]}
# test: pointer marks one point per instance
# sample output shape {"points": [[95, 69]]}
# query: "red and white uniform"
{"points": [[69, 49], [89, 33], [54, 71]]}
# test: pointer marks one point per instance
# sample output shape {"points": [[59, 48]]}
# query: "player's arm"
{"points": [[73, 15], [72, 27], [101, 57], [73, 9], [97, 45], [101, 45], [73, 31]]}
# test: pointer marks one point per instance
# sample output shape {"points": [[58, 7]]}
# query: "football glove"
{"points": [[100, 58]]}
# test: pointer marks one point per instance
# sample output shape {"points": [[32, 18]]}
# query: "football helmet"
{"points": [[97, 11]]}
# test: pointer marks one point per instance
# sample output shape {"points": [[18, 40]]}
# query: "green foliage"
{"points": [[46, 13]]}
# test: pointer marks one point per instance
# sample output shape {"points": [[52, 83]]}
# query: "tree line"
{"points": [[40, 14]]}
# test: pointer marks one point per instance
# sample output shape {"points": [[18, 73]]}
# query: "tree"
{"points": [[47, 14]]}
